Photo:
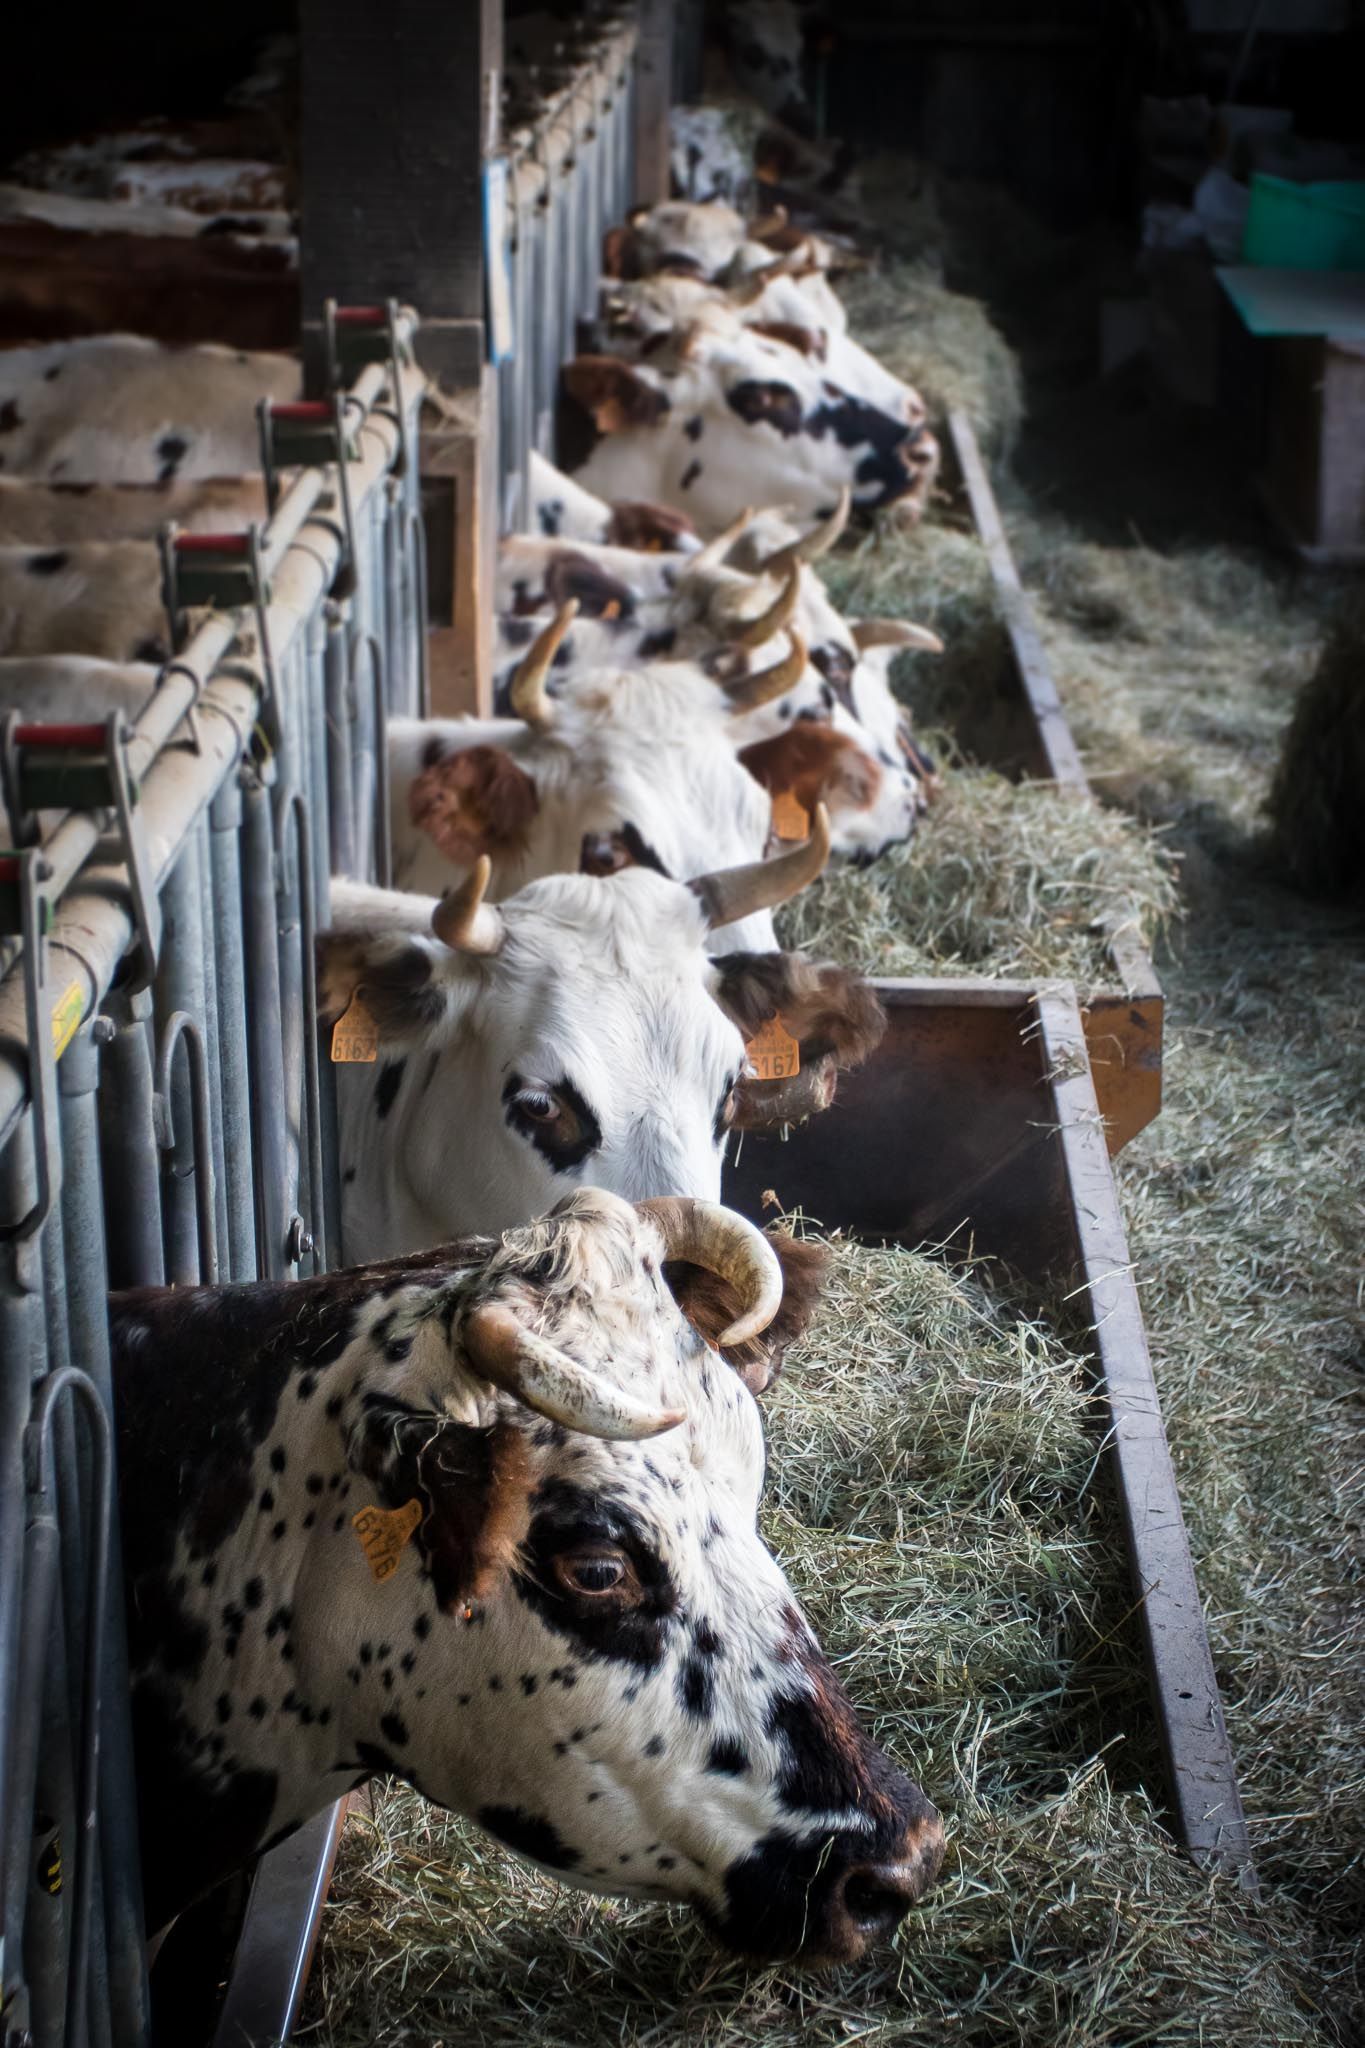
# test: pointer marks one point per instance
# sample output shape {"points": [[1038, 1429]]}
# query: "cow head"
{"points": [[580, 1031], [720, 421], [579, 1638]]}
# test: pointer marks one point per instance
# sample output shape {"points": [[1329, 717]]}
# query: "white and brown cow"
{"points": [[579, 1032], [90, 597], [116, 408], [622, 766], [712, 423], [578, 1639], [563, 510], [42, 515]]}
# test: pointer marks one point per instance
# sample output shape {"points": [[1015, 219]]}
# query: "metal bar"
{"points": [[1203, 1776], [264, 1041], [275, 1949], [340, 794], [181, 1029], [20, 1310], [315, 1214], [132, 1192], [225, 818], [120, 1866], [213, 1034], [180, 991]]}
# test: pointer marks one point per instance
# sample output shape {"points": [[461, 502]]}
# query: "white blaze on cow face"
{"points": [[727, 421], [585, 1646], [116, 408], [590, 1048]]}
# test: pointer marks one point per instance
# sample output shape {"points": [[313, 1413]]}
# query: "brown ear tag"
{"points": [[791, 820], [773, 1053], [384, 1534], [355, 1037]]}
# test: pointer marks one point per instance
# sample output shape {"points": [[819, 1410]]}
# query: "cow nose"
{"points": [[871, 1899]]}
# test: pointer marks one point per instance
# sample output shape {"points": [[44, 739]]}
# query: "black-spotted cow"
{"points": [[579, 1032], [116, 408], [714, 423], [578, 1638], [86, 597], [39, 515], [563, 510]]}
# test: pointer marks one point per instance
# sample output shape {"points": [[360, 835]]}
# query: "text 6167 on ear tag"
{"points": [[355, 1037], [774, 1055]]}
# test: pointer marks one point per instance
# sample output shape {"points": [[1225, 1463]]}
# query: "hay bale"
{"points": [[1316, 808], [1004, 879], [932, 1453]]}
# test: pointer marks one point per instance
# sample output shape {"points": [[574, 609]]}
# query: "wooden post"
{"points": [[400, 110], [653, 98]]}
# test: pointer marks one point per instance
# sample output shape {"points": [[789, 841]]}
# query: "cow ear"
{"points": [[472, 1486], [711, 1304], [621, 252], [653, 529], [828, 1009], [408, 983], [811, 341], [615, 394], [472, 801]]}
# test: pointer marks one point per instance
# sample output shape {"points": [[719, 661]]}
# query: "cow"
{"points": [[222, 286], [52, 689], [84, 165], [39, 515], [127, 214], [117, 408], [89, 597], [717, 422], [679, 236], [777, 305], [562, 509], [486, 1518], [765, 45], [711, 152], [623, 766], [579, 1031]]}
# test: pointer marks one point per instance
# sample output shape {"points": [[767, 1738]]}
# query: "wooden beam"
{"points": [[653, 98]]}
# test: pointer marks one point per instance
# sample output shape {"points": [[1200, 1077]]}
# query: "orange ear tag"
{"points": [[355, 1037], [774, 1054], [384, 1534], [791, 820], [612, 610]]}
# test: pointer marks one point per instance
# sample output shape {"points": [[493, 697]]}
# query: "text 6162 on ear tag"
{"points": [[774, 1055], [355, 1037]]}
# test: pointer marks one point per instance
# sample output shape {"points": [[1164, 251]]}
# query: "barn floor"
{"points": [[1179, 641]]}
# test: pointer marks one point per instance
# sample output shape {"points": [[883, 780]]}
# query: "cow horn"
{"points": [[732, 893], [753, 632], [751, 693], [463, 921], [529, 699], [767, 224], [817, 542], [748, 289], [717, 1239], [893, 633], [555, 1385], [712, 556]]}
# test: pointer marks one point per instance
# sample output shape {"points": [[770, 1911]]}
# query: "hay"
{"points": [[932, 1503], [1315, 800], [1015, 881], [942, 343]]}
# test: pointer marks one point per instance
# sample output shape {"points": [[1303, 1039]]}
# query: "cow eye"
{"points": [[542, 1109], [591, 1573]]}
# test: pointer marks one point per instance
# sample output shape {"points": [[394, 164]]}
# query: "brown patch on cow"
{"points": [[478, 1485], [711, 1305], [621, 252], [10, 416], [816, 764], [652, 529], [571, 578], [604, 853], [477, 800], [389, 971], [613, 394], [833, 1013], [810, 341]]}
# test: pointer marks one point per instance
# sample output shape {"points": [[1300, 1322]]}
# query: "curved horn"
{"points": [[817, 542], [463, 921], [751, 693], [529, 699], [767, 224], [893, 633], [555, 1385], [732, 893], [749, 288], [753, 632], [712, 556], [708, 1235]]}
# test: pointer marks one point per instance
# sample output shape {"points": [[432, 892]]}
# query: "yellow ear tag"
{"points": [[791, 820], [355, 1037], [774, 1054], [384, 1533]]}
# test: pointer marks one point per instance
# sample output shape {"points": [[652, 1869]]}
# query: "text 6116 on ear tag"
{"points": [[773, 1053]]}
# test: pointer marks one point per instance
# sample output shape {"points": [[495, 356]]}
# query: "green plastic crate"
{"points": [[1304, 227]]}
